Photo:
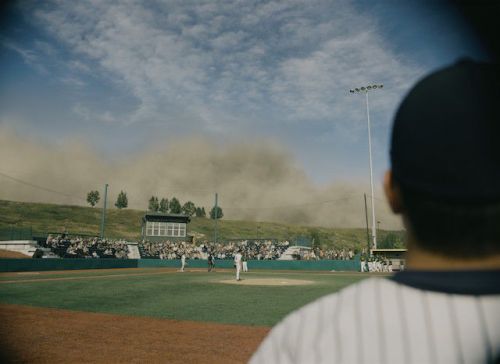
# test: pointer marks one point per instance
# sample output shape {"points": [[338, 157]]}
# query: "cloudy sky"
{"points": [[122, 76]]}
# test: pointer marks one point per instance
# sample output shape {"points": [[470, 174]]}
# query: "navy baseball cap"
{"points": [[446, 135]]}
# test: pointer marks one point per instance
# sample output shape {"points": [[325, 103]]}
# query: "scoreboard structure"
{"points": [[161, 227]]}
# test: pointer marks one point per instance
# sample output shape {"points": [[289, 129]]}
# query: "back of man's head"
{"points": [[445, 156]]}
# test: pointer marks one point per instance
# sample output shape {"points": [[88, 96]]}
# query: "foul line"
{"points": [[86, 277]]}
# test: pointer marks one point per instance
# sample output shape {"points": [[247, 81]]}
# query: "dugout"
{"points": [[161, 227], [395, 256]]}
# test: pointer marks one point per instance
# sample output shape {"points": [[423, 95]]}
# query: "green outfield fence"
{"points": [[350, 265], [30, 265]]}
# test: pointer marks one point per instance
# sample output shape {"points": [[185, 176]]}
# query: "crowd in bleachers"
{"points": [[250, 249], [86, 247], [93, 247], [331, 254], [169, 250]]}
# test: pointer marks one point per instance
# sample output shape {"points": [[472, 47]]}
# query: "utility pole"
{"points": [[216, 214], [103, 217], [367, 231]]}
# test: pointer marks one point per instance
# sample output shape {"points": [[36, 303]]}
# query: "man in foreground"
{"points": [[445, 182]]}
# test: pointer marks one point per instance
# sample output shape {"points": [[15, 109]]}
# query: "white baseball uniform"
{"points": [[183, 262], [244, 263], [435, 317], [237, 262]]}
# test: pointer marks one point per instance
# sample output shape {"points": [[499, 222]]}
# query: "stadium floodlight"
{"points": [[365, 90], [103, 215]]}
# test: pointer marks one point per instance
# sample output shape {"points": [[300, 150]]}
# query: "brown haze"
{"points": [[257, 181]]}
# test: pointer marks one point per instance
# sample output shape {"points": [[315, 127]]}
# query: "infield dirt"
{"points": [[268, 282], [44, 335]]}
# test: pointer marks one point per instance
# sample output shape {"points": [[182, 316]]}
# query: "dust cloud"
{"points": [[258, 181]]}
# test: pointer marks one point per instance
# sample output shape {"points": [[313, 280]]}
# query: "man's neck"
{"points": [[419, 259]]}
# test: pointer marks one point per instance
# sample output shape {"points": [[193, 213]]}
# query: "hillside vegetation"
{"points": [[42, 219]]}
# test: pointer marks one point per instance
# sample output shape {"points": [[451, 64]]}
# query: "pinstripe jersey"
{"points": [[383, 321]]}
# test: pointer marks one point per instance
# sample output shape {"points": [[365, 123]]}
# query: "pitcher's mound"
{"points": [[268, 282]]}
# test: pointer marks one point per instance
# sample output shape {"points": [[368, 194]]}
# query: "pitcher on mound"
{"points": [[237, 264]]}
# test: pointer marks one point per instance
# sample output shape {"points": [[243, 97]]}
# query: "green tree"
{"points": [[93, 198], [315, 237], [153, 204], [214, 215], [200, 212], [163, 205], [175, 206], [122, 200], [391, 241], [189, 208]]}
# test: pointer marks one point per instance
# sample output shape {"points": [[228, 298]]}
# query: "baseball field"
{"points": [[149, 315]]}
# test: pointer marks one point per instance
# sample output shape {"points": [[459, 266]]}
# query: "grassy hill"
{"points": [[46, 218]]}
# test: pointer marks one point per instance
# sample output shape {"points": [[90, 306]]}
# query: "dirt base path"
{"points": [[267, 282], [42, 335]]}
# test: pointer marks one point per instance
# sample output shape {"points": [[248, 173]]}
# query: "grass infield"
{"points": [[161, 293]]}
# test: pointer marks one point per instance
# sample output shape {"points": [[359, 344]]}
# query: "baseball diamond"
{"points": [[144, 310]]}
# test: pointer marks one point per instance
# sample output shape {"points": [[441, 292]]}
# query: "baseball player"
{"points": [[245, 263], [444, 179], [211, 262], [237, 264], [364, 265], [183, 262]]}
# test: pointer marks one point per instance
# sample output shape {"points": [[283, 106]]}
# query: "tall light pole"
{"points": [[365, 90], [103, 216], [216, 214]]}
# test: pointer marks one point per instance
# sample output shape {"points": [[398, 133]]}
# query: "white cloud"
{"points": [[29, 56], [46, 48], [72, 81], [78, 66], [316, 87], [89, 115], [187, 64]]}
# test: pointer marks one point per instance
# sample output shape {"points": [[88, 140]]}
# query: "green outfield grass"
{"points": [[183, 296]]}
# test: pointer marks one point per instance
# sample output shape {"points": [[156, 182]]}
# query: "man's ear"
{"points": [[392, 193]]}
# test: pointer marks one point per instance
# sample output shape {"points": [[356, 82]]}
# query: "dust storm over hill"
{"points": [[255, 181]]}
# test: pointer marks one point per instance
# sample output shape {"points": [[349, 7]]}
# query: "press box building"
{"points": [[161, 227]]}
